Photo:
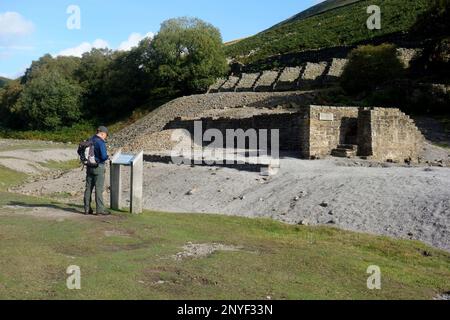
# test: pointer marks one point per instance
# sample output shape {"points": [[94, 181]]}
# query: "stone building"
{"points": [[315, 132]]}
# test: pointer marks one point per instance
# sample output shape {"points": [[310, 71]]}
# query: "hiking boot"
{"points": [[106, 213], [89, 212]]}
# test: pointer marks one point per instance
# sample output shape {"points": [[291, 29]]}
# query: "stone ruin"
{"points": [[314, 132], [305, 76]]}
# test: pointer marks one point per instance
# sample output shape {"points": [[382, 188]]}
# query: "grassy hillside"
{"points": [[3, 81], [345, 25], [318, 9]]}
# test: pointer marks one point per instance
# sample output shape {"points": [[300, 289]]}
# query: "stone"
{"points": [[191, 192], [267, 80]]}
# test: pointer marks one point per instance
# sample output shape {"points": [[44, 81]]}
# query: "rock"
{"points": [[191, 192], [324, 205], [304, 223]]}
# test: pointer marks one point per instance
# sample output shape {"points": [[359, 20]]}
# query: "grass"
{"points": [[10, 178], [338, 27], [276, 260], [62, 165]]}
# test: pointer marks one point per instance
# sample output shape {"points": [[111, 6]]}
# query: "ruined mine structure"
{"points": [[314, 132], [304, 76]]}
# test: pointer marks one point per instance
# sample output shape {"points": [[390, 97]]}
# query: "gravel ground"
{"points": [[383, 199]]}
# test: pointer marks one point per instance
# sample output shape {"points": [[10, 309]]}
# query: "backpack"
{"points": [[87, 154]]}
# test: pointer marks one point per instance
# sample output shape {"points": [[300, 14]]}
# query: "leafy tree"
{"points": [[186, 55], [91, 75], [65, 66], [49, 101], [126, 84], [370, 67], [9, 96]]}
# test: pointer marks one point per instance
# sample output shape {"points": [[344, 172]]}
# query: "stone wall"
{"points": [[309, 73], [267, 80], [287, 123], [230, 84], [395, 136], [288, 79], [329, 127], [247, 82], [217, 85]]}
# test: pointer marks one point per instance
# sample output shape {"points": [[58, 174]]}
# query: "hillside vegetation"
{"points": [[344, 25], [3, 81], [317, 9]]}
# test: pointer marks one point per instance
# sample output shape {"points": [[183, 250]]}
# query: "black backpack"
{"points": [[86, 152]]}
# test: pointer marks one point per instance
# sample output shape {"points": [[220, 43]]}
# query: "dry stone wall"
{"points": [[247, 82], [230, 84], [306, 75], [288, 79], [328, 128], [287, 123], [395, 136], [267, 81]]}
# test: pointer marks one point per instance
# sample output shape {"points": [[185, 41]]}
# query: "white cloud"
{"points": [[13, 25], [84, 47], [133, 41]]}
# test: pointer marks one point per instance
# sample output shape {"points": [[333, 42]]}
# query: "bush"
{"points": [[49, 101], [371, 66]]}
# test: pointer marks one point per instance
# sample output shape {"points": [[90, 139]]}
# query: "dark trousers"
{"points": [[95, 178]]}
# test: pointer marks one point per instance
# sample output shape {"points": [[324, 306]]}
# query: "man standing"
{"points": [[95, 176]]}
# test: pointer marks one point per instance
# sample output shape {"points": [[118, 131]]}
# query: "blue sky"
{"points": [[30, 29]]}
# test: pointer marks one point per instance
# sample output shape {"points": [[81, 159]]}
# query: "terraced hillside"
{"points": [[330, 27]]}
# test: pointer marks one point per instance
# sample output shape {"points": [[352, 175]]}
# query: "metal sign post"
{"points": [[136, 162]]}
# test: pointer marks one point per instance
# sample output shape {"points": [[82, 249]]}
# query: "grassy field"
{"points": [[132, 257], [341, 26]]}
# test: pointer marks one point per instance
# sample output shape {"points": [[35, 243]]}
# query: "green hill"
{"points": [[329, 24], [3, 81], [317, 9]]}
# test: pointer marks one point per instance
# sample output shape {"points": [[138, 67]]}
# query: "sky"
{"points": [[31, 28]]}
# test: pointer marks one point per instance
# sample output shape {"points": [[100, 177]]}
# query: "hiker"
{"points": [[95, 172]]}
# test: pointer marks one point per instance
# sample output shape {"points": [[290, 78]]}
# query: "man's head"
{"points": [[102, 132]]}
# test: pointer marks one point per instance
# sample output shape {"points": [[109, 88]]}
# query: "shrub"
{"points": [[371, 66]]}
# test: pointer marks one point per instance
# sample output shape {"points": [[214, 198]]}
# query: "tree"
{"points": [[9, 96], [49, 101], [65, 66], [91, 75], [370, 67], [186, 55]]}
